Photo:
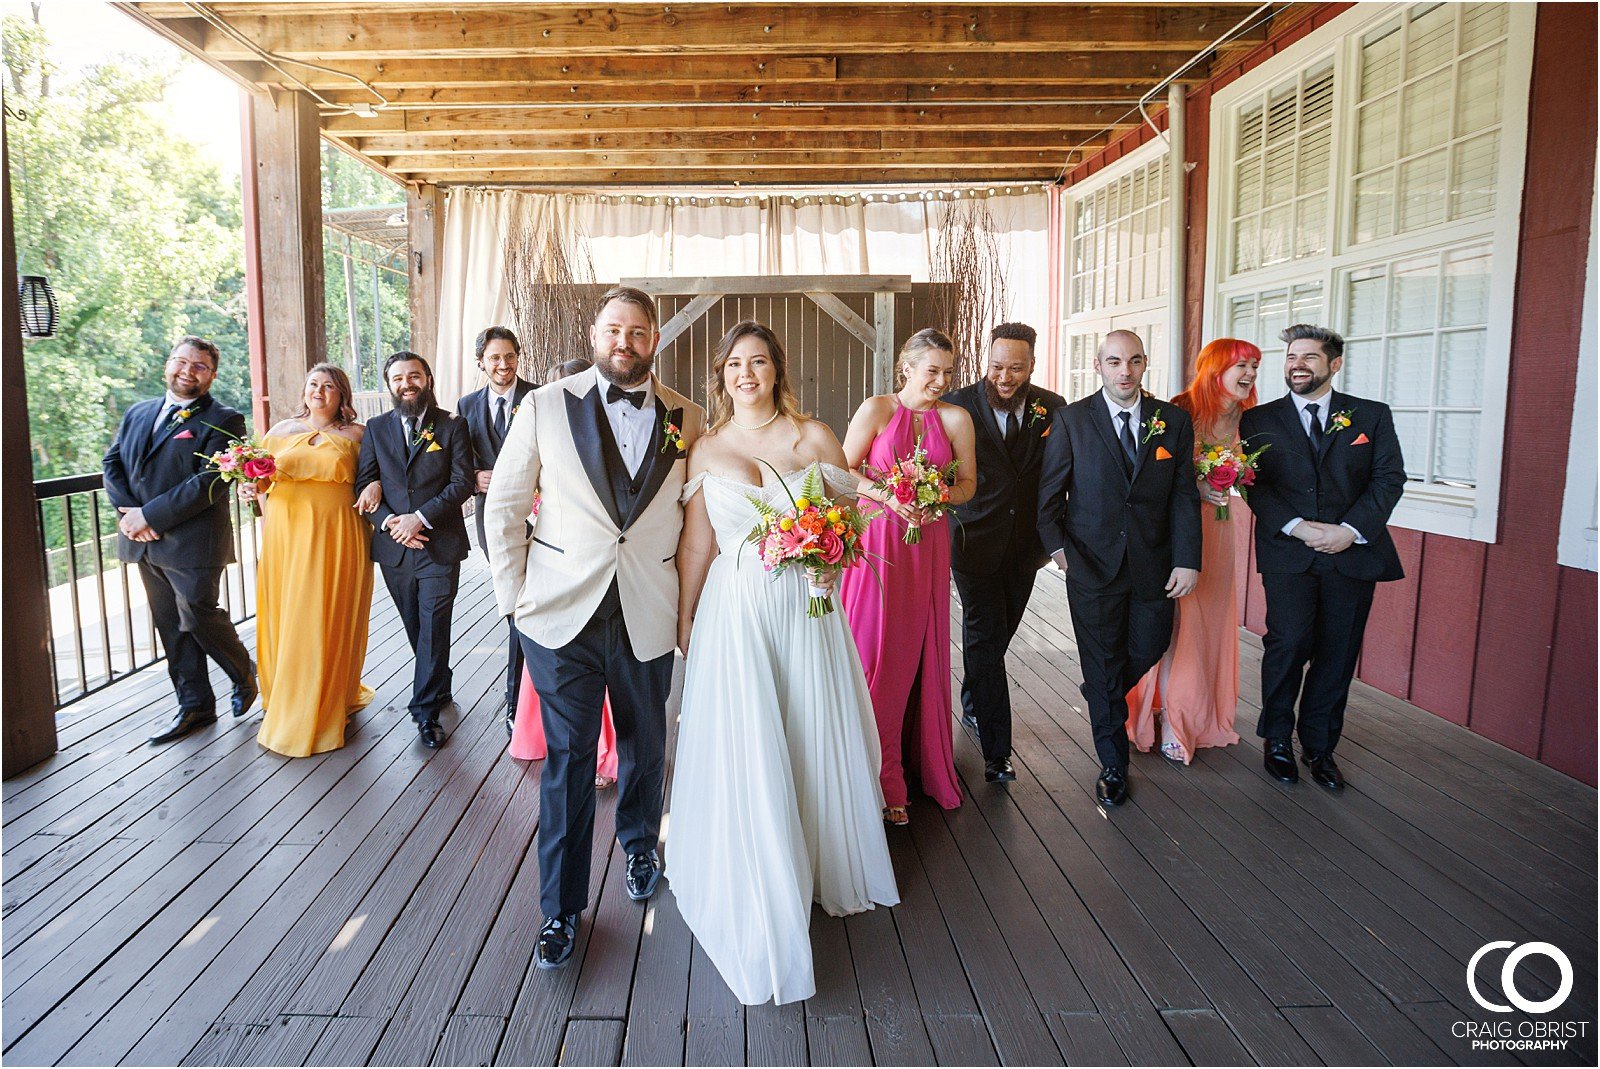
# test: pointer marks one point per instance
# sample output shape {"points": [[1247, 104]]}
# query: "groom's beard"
{"points": [[415, 406], [625, 367]]}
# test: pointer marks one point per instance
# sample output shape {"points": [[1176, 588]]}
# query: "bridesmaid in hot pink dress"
{"points": [[1188, 700], [527, 736], [902, 627]]}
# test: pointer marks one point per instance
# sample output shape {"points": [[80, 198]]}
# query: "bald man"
{"points": [[1119, 511]]}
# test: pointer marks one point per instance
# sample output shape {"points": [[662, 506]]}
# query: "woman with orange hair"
{"points": [[1194, 691]]}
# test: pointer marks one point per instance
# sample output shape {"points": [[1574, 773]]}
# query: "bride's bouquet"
{"points": [[818, 533], [243, 461], [914, 481]]}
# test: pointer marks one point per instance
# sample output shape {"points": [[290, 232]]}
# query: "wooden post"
{"points": [[425, 221], [883, 351], [283, 165], [28, 720]]}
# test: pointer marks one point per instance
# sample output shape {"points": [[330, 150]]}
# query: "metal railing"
{"points": [[100, 625]]}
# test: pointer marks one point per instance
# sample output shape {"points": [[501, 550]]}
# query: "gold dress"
{"points": [[313, 595]]}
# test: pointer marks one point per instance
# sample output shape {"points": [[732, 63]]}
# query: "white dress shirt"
{"points": [[496, 398], [631, 427], [1133, 416], [1000, 414], [1323, 403]]}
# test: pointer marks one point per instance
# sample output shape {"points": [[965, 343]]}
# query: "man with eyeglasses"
{"points": [[175, 525]]}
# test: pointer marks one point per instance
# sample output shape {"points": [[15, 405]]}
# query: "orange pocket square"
{"points": [[1162, 454], [1362, 439]]}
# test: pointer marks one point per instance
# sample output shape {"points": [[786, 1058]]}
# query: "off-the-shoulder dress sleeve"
{"points": [[692, 487], [838, 480]]}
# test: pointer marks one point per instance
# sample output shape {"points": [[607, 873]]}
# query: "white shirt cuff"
{"points": [[1289, 527], [1359, 540], [429, 526]]}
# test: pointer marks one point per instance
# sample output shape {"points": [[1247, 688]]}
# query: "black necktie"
{"points": [[1129, 446], [411, 435], [616, 393], [1316, 428], [1011, 427], [499, 417], [162, 421]]}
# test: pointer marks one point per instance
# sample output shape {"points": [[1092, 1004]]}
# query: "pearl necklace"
{"points": [[757, 427]]}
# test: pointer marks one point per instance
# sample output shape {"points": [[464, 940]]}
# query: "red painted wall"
{"points": [[1499, 638]]}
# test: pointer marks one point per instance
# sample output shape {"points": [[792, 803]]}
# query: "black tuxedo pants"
{"points": [[1315, 618], [992, 607], [514, 637], [424, 592], [1120, 637], [193, 626], [573, 682]]}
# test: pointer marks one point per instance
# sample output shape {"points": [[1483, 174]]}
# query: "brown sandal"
{"points": [[602, 782], [895, 816]]}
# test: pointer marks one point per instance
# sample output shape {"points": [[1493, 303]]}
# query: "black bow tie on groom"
{"points": [[616, 393]]}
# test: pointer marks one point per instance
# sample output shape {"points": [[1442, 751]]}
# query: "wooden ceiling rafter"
{"points": [[561, 94]]}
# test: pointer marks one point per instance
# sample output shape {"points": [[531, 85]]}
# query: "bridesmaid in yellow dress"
{"points": [[1190, 697], [314, 577]]}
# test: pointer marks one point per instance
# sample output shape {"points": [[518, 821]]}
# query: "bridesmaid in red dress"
{"points": [[900, 616], [527, 734], [1190, 697]]}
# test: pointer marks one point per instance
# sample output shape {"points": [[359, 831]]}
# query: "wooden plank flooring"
{"points": [[209, 903]]}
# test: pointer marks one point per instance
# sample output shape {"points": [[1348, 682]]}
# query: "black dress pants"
{"points": [[1120, 637], [192, 627], [992, 607], [573, 682], [1315, 618], [424, 592]]}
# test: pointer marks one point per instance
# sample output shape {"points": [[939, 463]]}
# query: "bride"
{"points": [[775, 797]]}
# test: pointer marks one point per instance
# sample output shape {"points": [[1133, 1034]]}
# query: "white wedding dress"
{"points": [[775, 796]]}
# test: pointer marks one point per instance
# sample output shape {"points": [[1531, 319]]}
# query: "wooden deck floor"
{"points": [[208, 902]]}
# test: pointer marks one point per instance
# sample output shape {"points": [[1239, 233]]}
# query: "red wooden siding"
{"points": [[1497, 637]]}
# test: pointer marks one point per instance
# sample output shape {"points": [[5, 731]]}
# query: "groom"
{"points": [[595, 593]]}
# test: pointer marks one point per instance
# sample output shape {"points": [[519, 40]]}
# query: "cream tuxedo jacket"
{"points": [[554, 583]]}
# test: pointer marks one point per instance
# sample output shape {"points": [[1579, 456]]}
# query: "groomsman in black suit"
{"points": [[421, 457], [1323, 495], [175, 526], [1120, 513], [488, 412], [995, 550]]}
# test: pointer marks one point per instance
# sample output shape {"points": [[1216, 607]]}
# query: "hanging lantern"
{"points": [[38, 305]]}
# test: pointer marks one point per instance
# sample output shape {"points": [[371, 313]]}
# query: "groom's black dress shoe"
{"points": [[1277, 757], [1112, 786], [431, 734], [245, 694], [1324, 773], [999, 771], [185, 721], [557, 937], [644, 870]]}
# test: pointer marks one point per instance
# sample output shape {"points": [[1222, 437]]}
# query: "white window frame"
{"points": [[1111, 317], [1462, 513], [1580, 502]]}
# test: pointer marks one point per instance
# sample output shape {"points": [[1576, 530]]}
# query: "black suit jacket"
{"points": [[1358, 480], [434, 478], [474, 409], [1000, 522], [1091, 508], [164, 473]]}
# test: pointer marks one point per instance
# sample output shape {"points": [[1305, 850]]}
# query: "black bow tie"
{"points": [[616, 393]]}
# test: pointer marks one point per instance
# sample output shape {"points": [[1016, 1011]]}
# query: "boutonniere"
{"points": [[1339, 421], [1153, 427], [180, 415], [672, 434], [425, 435], [1036, 412]]}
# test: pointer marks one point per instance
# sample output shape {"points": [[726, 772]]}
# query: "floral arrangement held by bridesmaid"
{"points": [[914, 481]]}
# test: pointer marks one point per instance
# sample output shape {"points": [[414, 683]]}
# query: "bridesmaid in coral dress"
{"points": [[314, 580], [906, 649], [1190, 697]]}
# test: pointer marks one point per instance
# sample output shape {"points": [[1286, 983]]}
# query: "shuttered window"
{"points": [[1368, 178]]}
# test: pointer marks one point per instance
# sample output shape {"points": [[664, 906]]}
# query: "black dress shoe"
{"points": [[431, 735], [1324, 773], [970, 721], [185, 721], [644, 871], [1112, 786], [245, 694], [1277, 757], [999, 771], [557, 937], [511, 724]]}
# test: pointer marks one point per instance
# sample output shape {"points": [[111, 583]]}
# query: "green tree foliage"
{"points": [[346, 183], [139, 235]]}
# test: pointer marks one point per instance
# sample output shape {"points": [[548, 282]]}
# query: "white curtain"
{"points": [[672, 236]]}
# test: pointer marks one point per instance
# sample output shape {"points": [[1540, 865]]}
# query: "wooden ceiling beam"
{"points": [[955, 160], [853, 176], [455, 122], [379, 31], [726, 94], [778, 141]]}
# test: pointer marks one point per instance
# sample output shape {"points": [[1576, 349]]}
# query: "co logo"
{"points": [[1508, 976]]}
